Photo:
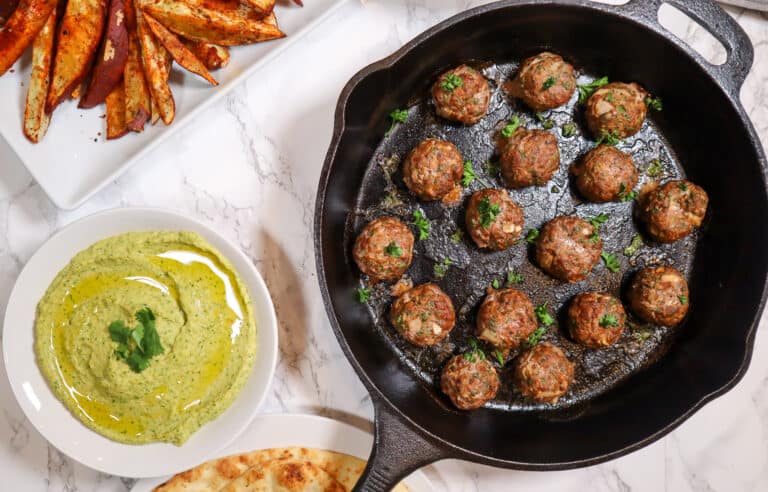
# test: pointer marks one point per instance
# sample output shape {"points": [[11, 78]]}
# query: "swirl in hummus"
{"points": [[204, 319]]}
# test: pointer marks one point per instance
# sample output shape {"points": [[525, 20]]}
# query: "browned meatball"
{"points": [[605, 174], [423, 315], [469, 380], [659, 295], [544, 81], [433, 169], [506, 319], [543, 373], [384, 249], [616, 109], [568, 248], [493, 219], [529, 158], [596, 320], [674, 210], [462, 95]]}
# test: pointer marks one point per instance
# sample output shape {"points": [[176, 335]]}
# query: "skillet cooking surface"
{"points": [[473, 270]]}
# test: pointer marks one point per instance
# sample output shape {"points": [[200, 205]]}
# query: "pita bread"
{"points": [[261, 471]]}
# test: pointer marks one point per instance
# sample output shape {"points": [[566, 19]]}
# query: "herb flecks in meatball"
{"points": [[423, 315], [493, 219], [433, 169], [543, 373], [506, 319], [568, 248], [544, 81], [469, 380], [595, 319], [384, 249], [674, 210], [659, 295], [528, 158], [461, 95], [617, 109], [606, 174]]}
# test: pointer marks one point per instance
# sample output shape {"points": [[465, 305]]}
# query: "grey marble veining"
{"points": [[249, 165]]}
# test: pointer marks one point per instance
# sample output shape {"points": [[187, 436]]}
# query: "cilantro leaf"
{"points": [[534, 337], [119, 332], [451, 82], [499, 357], [422, 224], [654, 103], [633, 246], [545, 318], [683, 299], [397, 116], [611, 262], [511, 127], [596, 222], [609, 138], [514, 277], [548, 83], [587, 90], [626, 195], [531, 236], [495, 284], [608, 320], [137, 335], [138, 345], [655, 168], [469, 174], [440, 269], [363, 294], [394, 250], [488, 212], [568, 130]]}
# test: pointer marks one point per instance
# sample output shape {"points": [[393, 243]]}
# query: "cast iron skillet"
{"points": [[708, 133]]}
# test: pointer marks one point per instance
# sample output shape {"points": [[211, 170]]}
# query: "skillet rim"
{"points": [[714, 72]]}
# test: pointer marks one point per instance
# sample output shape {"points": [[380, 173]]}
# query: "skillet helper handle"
{"points": [[712, 17], [398, 450]]}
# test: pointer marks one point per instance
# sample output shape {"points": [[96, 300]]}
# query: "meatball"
{"points": [[433, 169], [462, 95], [506, 319], [568, 248], [493, 219], [384, 249], [423, 315], [469, 380], [659, 295], [544, 81], [596, 320], [543, 373], [674, 210], [529, 158], [616, 109], [605, 174]]}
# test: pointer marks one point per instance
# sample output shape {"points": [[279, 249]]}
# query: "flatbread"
{"points": [[285, 476], [264, 467]]}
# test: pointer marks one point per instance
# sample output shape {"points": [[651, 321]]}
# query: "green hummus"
{"points": [[204, 320]]}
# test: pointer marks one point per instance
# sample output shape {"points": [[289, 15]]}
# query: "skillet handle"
{"points": [[398, 450], [719, 24]]}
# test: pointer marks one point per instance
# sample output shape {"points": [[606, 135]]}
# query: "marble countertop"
{"points": [[249, 165]]}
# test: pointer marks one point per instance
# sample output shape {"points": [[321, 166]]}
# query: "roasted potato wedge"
{"points": [[6, 9], [21, 29], [112, 57], [156, 68], [224, 22], [35, 118], [137, 98], [263, 6], [116, 125], [212, 55], [79, 37], [180, 53]]}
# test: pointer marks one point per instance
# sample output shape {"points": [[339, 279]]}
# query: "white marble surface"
{"points": [[250, 165]]}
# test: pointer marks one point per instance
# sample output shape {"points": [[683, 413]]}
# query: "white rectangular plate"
{"points": [[75, 160]]}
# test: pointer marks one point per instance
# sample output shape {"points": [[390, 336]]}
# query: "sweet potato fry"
{"points": [[212, 55], [155, 61], [178, 51], [263, 6], [224, 22], [6, 9], [137, 99], [112, 57], [35, 118], [23, 25], [79, 37], [116, 125]]}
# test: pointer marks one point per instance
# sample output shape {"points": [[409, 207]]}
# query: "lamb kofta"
{"points": [[595, 319], [384, 249], [674, 210], [568, 248], [433, 169], [469, 380], [543, 373], [528, 158], [617, 109], [605, 174], [544, 81], [659, 295], [506, 318], [462, 95], [493, 219], [423, 315]]}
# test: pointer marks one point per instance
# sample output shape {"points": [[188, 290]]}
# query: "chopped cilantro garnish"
{"points": [[422, 224], [475, 351], [683, 186], [654, 168], [397, 116], [394, 250], [545, 122], [499, 357], [488, 212], [531, 236], [554, 189], [633, 246], [626, 195], [608, 320], [440, 269], [609, 138], [495, 284], [514, 277], [363, 294], [456, 236], [511, 127], [611, 262], [138, 345], [587, 90], [451, 82], [596, 222], [654, 103], [534, 337], [568, 130], [544, 317], [683, 299], [469, 174], [548, 83]]}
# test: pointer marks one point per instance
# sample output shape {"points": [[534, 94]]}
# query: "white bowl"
{"points": [[48, 414]]}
